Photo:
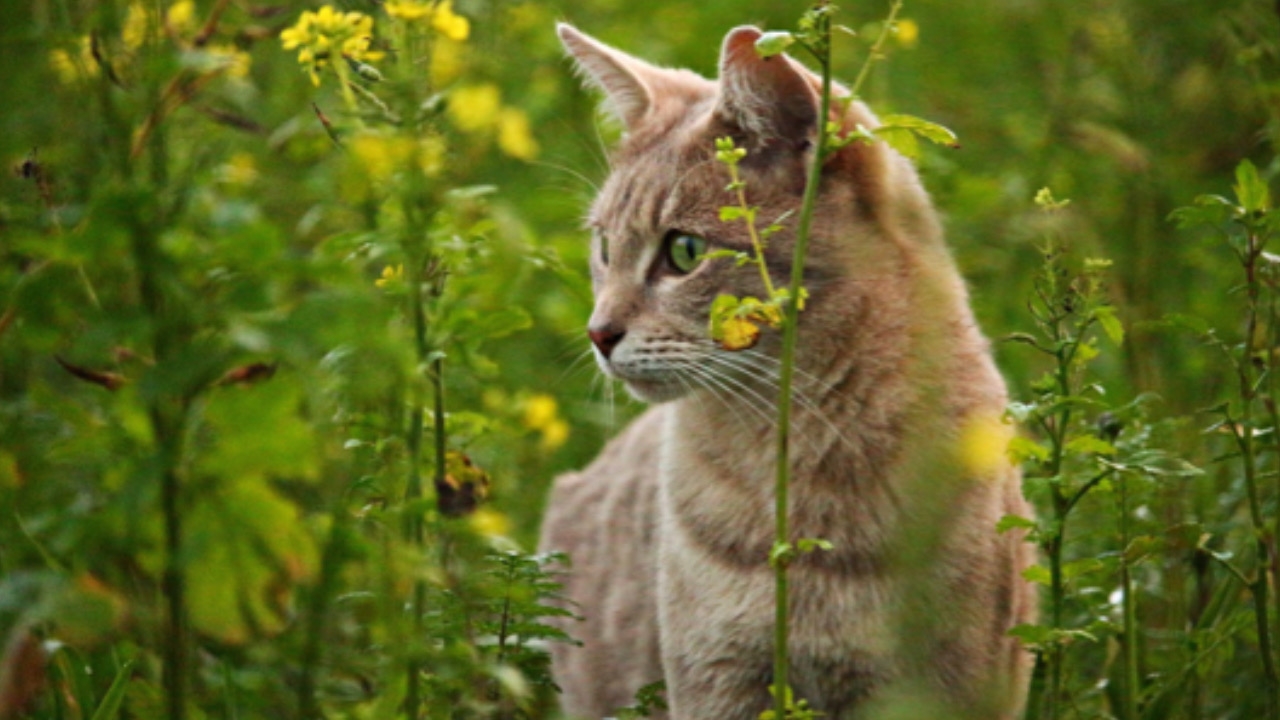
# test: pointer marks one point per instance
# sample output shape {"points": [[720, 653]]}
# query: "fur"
{"points": [[893, 461]]}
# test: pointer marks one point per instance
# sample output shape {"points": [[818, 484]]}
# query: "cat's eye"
{"points": [[604, 248], [685, 251]]}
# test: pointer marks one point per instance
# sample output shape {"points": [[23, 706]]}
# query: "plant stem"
{"points": [[787, 368], [877, 49], [750, 217], [1245, 439], [1129, 700]]}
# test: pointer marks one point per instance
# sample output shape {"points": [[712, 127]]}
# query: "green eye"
{"points": [[685, 251]]}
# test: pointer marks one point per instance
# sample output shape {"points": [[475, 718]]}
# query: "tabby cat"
{"points": [[898, 448]]}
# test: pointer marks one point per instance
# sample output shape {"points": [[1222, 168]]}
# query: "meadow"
{"points": [[292, 307]]}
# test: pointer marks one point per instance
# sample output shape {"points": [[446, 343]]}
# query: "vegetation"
{"points": [[288, 292]]}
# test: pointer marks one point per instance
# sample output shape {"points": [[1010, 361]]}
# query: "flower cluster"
{"points": [[478, 110], [179, 23], [320, 34], [440, 14]]}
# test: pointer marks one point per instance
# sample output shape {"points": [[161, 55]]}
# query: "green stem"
{"points": [[749, 215], [787, 369], [1245, 438], [877, 49], [1129, 701]]}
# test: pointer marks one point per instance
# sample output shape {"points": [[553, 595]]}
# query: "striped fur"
{"points": [[896, 404]]}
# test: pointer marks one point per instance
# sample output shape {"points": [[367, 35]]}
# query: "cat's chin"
{"points": [[655, 391]]}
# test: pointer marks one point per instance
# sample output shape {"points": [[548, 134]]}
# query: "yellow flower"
{"points": [[391, 275], [908, 33], [443, 19], [983, 445], [408, 9], [474, 108], [240, 169], [181, 17], [554, 434], [446, 61], [234, 60], [431, 152], [455, 27], [318, 33], [539, 411], [136, 26], [490, 523], [76, 65], [514, 136]]}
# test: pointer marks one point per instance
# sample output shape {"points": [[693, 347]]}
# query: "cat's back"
{"points": [[604, 517]]}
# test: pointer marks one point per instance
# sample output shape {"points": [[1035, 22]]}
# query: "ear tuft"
{"points": [[768, 98], [617, 74]]}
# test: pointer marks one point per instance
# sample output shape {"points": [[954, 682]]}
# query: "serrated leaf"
{"points": [[1250, 190], [915, 127]]}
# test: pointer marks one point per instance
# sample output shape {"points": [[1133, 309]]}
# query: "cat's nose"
{"points": [[606, 338]]}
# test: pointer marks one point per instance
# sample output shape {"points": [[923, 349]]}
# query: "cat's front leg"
{"points": [[716, 633]]}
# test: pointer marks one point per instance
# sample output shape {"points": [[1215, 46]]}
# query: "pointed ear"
{"points": [[627, 82], [768, 98]]}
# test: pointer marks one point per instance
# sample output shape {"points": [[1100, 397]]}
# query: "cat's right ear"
{"points": [[627, 82]]}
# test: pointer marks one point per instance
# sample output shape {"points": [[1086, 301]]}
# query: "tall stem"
{"points": [[1129, 701], [1260, 586], [789, 332]]}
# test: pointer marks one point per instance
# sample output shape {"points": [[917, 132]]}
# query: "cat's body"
{"points": [[897, 452]]}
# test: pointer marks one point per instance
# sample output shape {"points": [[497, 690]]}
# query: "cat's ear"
{"points": [[769, 98], [627, 82]]}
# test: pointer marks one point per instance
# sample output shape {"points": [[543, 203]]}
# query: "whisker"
{"points": [[742, 363]]}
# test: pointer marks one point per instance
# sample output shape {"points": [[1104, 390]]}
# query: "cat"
{"points": [[897, 446]]}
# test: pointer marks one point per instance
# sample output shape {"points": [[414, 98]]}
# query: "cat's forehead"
{"points": [[657, 177]]}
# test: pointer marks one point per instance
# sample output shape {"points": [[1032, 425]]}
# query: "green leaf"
{"points": [[246, 546], [774, 43], [259, 429], [730, 213], [1251, 191], [1106, 316], [1037, 574], [808, 545], [1023, 449], [110, 705], [781, 552], [901, 131], [1206, 210], [900, 139], [1011, 522], [1089, 444], [500, 323]]}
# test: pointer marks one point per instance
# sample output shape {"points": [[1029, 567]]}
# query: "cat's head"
{"points": [[658, 213]]}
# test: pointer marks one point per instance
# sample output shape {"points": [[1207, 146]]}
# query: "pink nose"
{"points": [[606, 338]]}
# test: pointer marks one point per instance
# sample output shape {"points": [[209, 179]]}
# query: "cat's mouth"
{"points": [[646, 383]]}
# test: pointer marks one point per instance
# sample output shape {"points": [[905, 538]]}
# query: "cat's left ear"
{"points": [[769, 99]]}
